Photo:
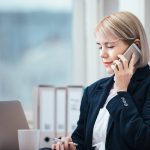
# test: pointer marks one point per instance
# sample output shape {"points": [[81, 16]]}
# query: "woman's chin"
{"points": [[109, 71]]}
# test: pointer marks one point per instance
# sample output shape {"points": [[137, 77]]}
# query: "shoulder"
{"points": [[142, 75], [146, 74], [94, 86], [146, 83], [141, 81]]}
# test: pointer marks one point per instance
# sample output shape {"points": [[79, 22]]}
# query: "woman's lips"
{"points": [[107, 63]]}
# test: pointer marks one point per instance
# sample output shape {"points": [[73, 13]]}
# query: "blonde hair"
{"points": [[127, 27]]}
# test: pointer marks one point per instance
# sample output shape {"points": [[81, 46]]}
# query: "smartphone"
{"points": [[133, 48]]}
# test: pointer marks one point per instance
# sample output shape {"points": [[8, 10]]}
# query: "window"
{"points": [[35, 48]]}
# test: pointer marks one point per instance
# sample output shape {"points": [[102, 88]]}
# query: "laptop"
{"points": [[12, 118]]}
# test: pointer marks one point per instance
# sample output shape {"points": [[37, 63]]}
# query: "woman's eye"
{"points": [[100, 47], [110, 46]]}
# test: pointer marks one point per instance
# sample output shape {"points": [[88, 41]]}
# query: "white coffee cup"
{"points": [[28, 139]]}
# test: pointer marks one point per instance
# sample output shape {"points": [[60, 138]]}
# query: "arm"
{"points": [[134, 126]]}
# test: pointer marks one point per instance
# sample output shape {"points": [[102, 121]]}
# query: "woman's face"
{"points": [[110, 47]]}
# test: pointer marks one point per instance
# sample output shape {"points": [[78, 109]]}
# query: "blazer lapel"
{"points": [[97, 101]]}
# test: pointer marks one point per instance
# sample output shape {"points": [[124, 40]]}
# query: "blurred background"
{"points": [[52, 42]]}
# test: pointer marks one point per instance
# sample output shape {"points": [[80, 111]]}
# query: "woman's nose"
{"points": [[103, 53]]}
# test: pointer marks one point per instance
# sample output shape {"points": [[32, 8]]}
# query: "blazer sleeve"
{"points": [[134, 126], [79, 133]]}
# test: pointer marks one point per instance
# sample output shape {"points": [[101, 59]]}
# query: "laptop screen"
{"points": [[12, 118]]}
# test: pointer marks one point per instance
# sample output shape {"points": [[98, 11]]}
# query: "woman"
{"points": [[115, 111]]}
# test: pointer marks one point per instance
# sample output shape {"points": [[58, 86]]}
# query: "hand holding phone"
{"points": [[133, 48], [124, 72]]}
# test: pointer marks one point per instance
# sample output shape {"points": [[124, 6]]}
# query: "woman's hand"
{"points": [[65, 144], [123, 72]]}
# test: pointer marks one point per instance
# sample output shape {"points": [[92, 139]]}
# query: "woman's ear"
{"points": [[138, 43]]}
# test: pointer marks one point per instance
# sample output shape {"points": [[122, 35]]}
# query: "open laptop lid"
{"points": [[12, 118]]}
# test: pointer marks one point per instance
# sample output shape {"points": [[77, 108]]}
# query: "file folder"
{"points": [[74, 96], [45, 111], [61, 111]]}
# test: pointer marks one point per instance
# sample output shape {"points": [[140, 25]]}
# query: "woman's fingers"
{"points": [[53, 146], [62, 147], [119, 64], [123, 70], [58, 146], [132, 61], [65, 144], [124, 61], [114, 68], [72, 146]]}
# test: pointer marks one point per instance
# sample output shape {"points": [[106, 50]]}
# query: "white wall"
{"points": [[147, 19], [87, 67], [92, 54], [135, 6], [79, 42]]}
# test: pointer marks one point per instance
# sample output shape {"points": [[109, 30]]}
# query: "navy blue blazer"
{"points": [[129, 122]]}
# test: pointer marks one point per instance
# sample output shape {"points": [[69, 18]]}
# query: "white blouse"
{"points": [[100, 127]]}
